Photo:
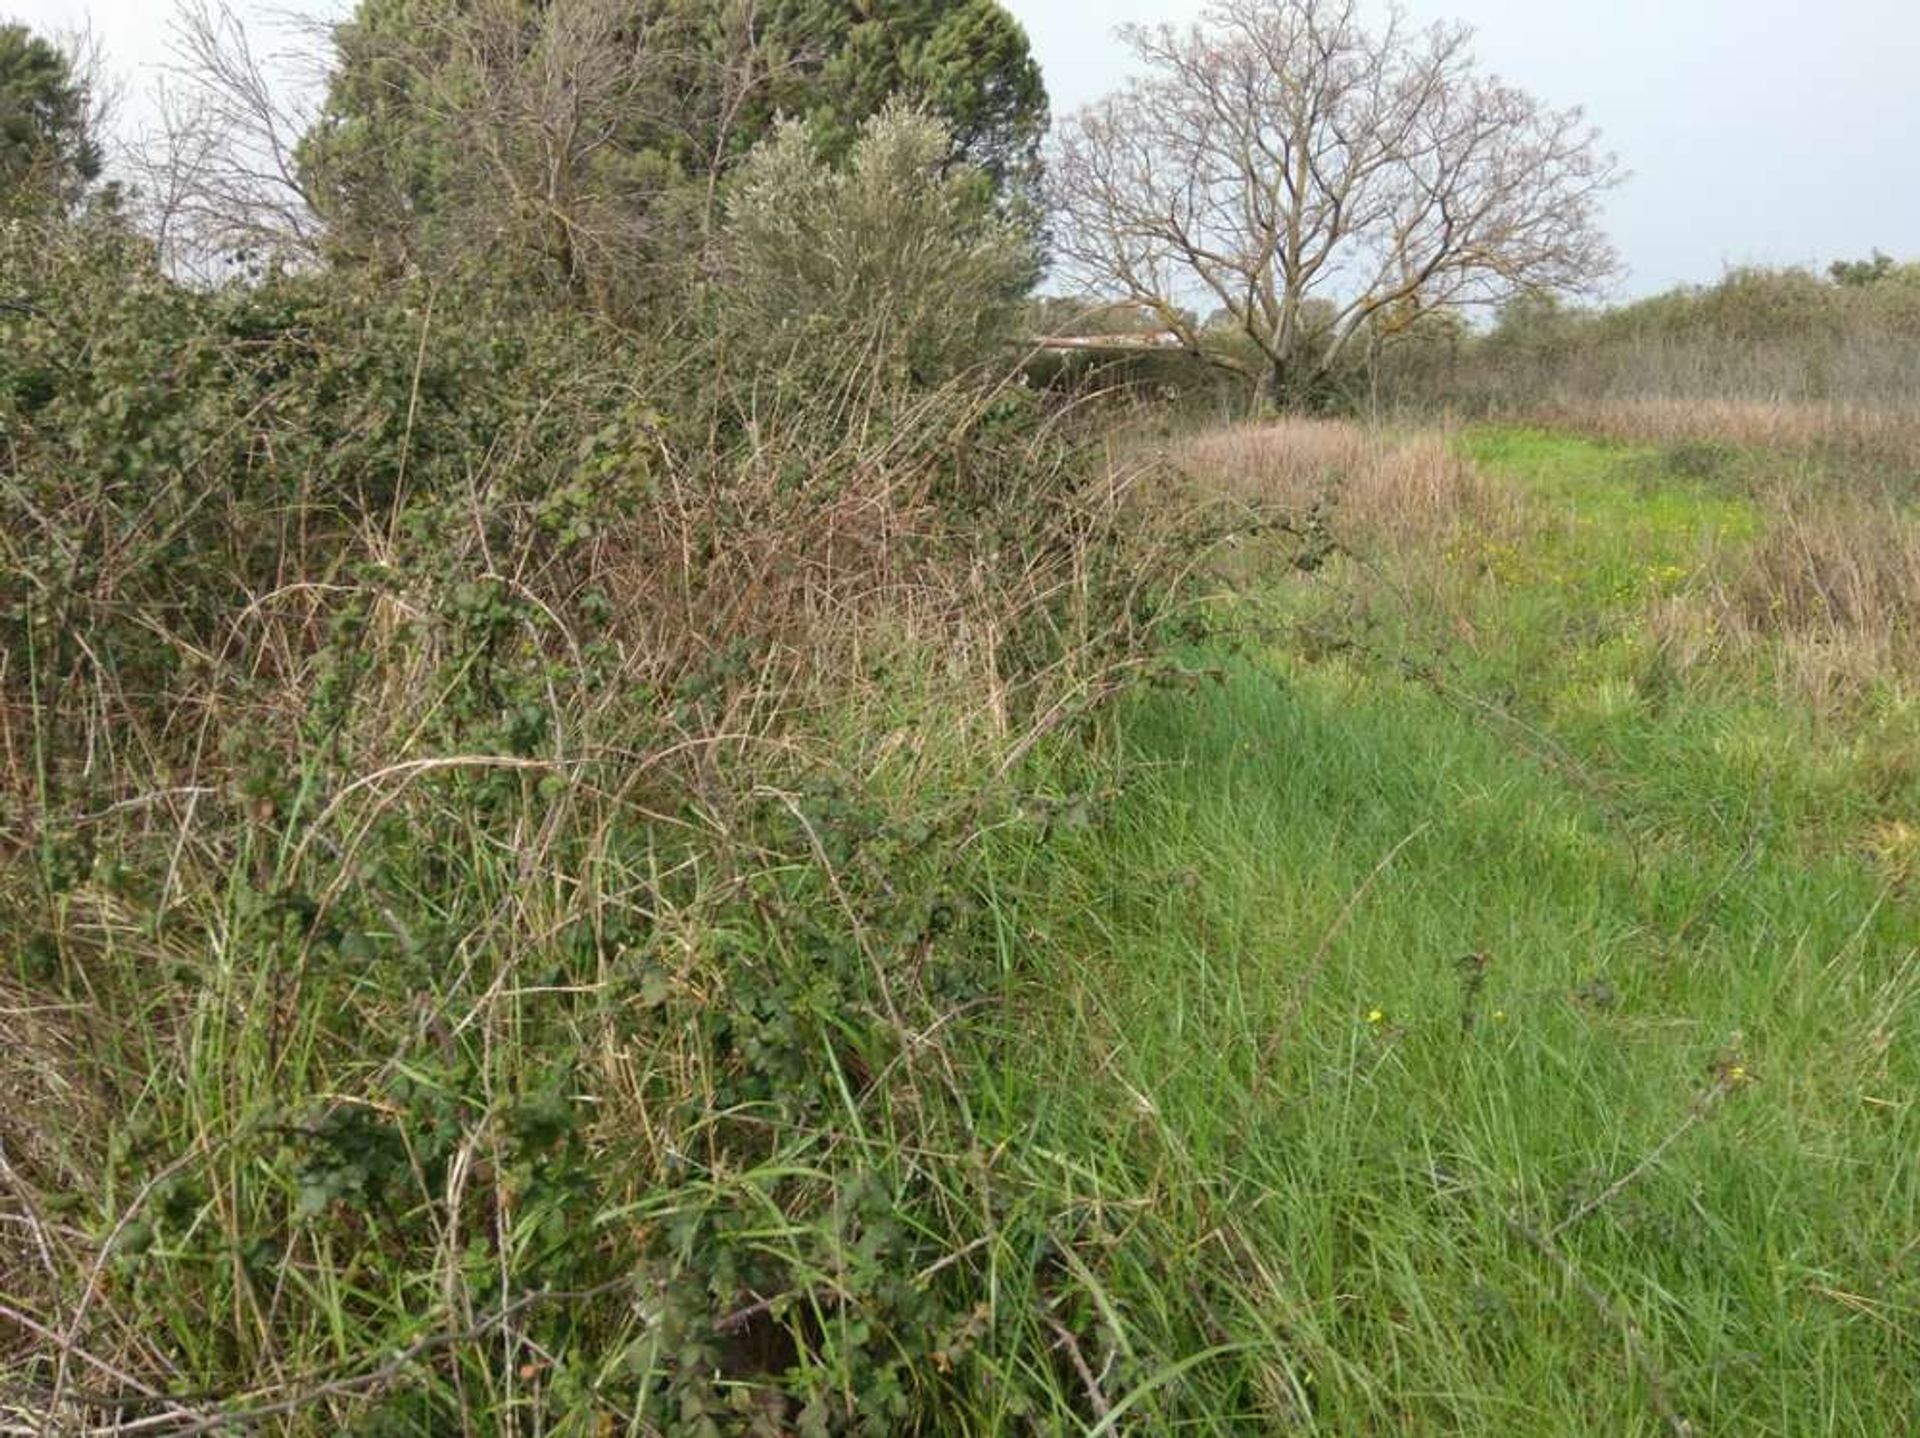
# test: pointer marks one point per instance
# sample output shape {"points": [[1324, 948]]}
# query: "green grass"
{"points": [[1651, 1159], [1444, 1012]]}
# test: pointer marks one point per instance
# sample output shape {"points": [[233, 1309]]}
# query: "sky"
{"points": [[1754, 131]]}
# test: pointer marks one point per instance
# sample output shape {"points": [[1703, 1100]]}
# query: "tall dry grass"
{"points": [[1831, 584], [1785, 336], [1377, 482], [1830, 587], [1826, 595], [1851, 432], [1601, 357], [1369, 488]]}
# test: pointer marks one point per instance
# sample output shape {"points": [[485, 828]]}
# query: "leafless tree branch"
{"points": [[1319, 183], [218, 175]]}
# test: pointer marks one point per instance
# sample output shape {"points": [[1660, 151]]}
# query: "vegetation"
{"points": [[892, 252], [588, 140], [1488, 1007], [493, 864], [1323, 185], [48, 153], [1769, 336], [1761, 357], [835, 63], [612, 821]]}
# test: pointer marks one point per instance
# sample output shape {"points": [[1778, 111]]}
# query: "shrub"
{"points": [[498, 810], [1769, 336], [900, 260]]}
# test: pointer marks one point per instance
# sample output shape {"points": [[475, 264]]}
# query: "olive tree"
{"points": [[1320, 184], [896, 254]]}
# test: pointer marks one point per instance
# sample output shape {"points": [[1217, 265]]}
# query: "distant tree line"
{"points": [[1850, 333]]}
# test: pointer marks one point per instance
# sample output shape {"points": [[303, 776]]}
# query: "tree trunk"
{"points": [[1286, 387]]}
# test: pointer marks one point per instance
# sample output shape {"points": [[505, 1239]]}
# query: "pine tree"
{"points": [[47, 155]]}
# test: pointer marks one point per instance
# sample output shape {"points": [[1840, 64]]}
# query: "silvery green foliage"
{"points": [[900, 257]]}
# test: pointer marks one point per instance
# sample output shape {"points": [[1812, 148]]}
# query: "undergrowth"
{"points": [[1473, 1016], [492, 876], [564, 881]]}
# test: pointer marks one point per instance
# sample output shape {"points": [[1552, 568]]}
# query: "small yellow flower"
{"points": [[1374, 1016]]}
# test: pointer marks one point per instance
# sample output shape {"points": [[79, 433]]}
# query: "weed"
{"points": [[1605, 1172]]}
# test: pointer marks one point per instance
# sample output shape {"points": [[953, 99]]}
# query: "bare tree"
{"points": [[461, 132], [217, 174], [1320, 183], [543, 106]]}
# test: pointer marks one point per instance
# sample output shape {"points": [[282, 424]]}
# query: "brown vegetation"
{"points": [[1826, 594], [1854, 432], [1370, 487], [1834, 582]]}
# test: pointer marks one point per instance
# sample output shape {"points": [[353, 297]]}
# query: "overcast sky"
{"points": [[1756, 131]]}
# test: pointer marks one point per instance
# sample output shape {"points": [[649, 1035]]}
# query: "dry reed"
{"points": [[1860, 433], [1373, 488]]}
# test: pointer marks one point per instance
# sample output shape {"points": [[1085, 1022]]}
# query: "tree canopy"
{"points": [[1322, 184], [47, 151], [834, 63], [600, 130]]}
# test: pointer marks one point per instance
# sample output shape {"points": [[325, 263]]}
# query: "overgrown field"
{"points": [[690, 953], [1490, 1006], [624, 812], [541, 904], [491, 857]]}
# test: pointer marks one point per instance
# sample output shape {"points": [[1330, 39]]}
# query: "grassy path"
{"points": [[1472, 1025]]}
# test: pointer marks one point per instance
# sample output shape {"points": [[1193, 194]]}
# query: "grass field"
{"points": [[1472, 990], [1490, 1006]]}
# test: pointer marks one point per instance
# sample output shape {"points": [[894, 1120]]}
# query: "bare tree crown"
{"points": [[1317, 181]]}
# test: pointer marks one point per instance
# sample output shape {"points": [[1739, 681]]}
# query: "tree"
{"points": [[522, 138], [896, 256], [593, 136], [1323, 184], [217, 179], [1858, 274], [834, 63], [48, 155]]}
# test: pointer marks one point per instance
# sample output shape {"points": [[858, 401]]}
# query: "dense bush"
{"points": [[1758, 334], [496, 807]]}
